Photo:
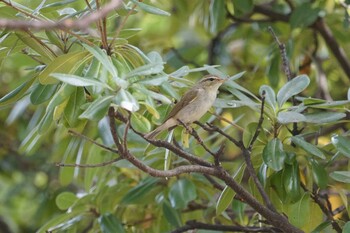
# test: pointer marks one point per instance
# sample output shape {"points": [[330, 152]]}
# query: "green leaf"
{"points": [[236, 76], [217, 13], [273, 70], [322, 226], [290, 117], [154, 67], [33, 43], [109, 223], [319, 174], [340, 104], [346, 228], [277, 184], [292, 88], [54, 39], [57, 222], [227, 195], [140, 123], [274, 155], [308, 147], [291, 182], [46, 121], [249, 133], [172, 215], [42, 93], [140, 190], [78, 81], [65, 200], [341, 176], [65, 63], [342, 144], [97, 109], [242, 7], [324, 117], [181, 193], [270, 96], [61, 95], [126, 100], [106, 61], [224, 200], [304, 15], [17, 93], [312, 101], [72, 110], [299, 213], [154, 95], [154, 80], [151, 9]]}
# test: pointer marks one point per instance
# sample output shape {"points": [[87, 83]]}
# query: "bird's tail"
{"points": [[154, 133], [166, 125]]}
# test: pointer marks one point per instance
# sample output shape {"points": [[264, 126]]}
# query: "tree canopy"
{"points": [[82, 82]]}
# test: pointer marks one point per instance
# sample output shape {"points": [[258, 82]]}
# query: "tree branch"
{"points": [[81, 23], [192, 225], [272, 217]]}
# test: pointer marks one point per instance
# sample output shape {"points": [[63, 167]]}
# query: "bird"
{"points": [[193, 104]]}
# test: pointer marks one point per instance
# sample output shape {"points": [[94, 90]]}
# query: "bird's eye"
{"points": [[211, 79]]}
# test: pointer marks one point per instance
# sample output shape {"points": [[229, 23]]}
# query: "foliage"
{"points": [[58, 86]]}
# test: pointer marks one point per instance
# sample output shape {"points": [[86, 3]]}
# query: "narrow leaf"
{"points": [[290, 117], [62, 64], [109, 223], [274, 155], [17, 93], [42, 93], [270, 95], [181, 193], [126, 100], [65, 200], [78, 81], [341, 176], [308, 147], [150, 9], [342, 144], [324, 117], [97, 109], [34, 43], [291, 88], [224, 200]]}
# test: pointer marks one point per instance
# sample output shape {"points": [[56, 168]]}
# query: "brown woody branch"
{"points": [[192, 225], [272, 217]]}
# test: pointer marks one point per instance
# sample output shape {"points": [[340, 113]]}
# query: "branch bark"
{"points": [[271, 216]]}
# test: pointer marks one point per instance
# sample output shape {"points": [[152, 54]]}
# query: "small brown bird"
{"points": [[193, 105]]}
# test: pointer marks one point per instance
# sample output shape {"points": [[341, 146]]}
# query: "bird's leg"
{"points": [[191, 131], [188, 128]]}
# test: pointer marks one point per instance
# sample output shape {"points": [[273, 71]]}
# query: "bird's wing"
{"points": [[188, 97]]}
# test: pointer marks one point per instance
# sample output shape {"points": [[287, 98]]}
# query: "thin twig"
{"points": [[114, 131], [92, 141], [192, 225], [220, 131], [89, 165], [261, 120], [283, 51], [121, 25]]}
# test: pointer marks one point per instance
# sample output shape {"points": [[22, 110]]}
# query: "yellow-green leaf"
{"points": [[63, 64]]}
